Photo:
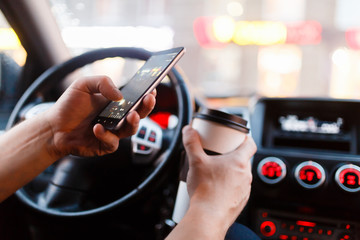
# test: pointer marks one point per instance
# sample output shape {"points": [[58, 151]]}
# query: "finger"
{"points": [[154, 92], [246, 150], [131, 125], [248, 146], [147, 105], [99, 84], [109, 140], [192, 144]]}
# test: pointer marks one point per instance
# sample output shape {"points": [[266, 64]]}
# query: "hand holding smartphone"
{"points": [[143, 82]]}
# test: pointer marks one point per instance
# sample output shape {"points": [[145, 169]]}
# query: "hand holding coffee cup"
{"points": [[219, 133]]}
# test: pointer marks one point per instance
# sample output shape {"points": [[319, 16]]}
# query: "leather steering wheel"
{"points": [[56, 197]]}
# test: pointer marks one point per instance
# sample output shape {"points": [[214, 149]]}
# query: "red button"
{"points": [[271, 170], [310, 174], [268, 228], [152, 137]]}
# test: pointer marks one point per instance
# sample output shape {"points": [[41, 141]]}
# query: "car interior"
{"points": [[291, 69]]}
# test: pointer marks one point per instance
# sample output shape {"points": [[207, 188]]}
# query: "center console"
{"points": [[306, 171]]}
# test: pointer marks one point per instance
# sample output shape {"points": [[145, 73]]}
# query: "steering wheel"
{"points": [[67, 182]]}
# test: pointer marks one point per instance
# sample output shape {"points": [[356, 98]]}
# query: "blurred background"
{"points": [[235, 48]]}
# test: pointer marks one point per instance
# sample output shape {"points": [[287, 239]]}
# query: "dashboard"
{"points": [[306, 174]]}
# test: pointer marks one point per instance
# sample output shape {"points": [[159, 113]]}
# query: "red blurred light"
{"points": [[303, 33], [204, 33], [161, 118], [305, 223], [352, 37]]}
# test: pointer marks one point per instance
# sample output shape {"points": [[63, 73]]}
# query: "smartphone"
{"points": [[142, 83]]}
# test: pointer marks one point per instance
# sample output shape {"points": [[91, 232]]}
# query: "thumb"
{"points": [[99, 84], [192, 144]]}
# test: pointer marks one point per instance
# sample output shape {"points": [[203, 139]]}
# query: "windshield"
{"points": [[275, 48]]}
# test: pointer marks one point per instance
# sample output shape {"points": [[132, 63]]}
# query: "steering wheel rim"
{"points": [[59, 72]]}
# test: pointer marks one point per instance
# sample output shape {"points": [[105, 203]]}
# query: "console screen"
{"points": [[294, 123]]}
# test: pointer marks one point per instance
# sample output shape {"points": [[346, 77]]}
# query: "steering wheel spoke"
{"points": [[147, 142]]}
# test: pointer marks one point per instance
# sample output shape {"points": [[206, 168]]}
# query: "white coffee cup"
{"points": [[219, 133]]}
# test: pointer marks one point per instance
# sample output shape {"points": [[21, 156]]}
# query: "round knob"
{"points": [[268, 228], [271, 170], [310, 174], [348, 177]]}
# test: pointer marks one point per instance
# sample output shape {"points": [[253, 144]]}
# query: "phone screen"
{"points": [[144, 81]]}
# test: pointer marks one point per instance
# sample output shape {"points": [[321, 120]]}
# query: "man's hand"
{"points": [[219, 188], [71, 118], [220, 185]]}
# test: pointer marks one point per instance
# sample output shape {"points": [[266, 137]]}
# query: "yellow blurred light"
{"points": [[8, 39], [345, 74], [223, 29], [259, 33]]}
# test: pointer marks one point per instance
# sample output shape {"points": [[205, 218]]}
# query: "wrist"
{"points": [[209, 217], [51, 146]]}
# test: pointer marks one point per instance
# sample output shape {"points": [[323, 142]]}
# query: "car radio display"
{"points": [[294, 123]]}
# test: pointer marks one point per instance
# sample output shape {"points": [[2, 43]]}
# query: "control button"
{"points": [[291, 227], [143, 147], [347, 226], [345, 236], [152, 136], [283, 237], [310, 174], [268, 228], [271, 170], [142, 133], [348, 177]]}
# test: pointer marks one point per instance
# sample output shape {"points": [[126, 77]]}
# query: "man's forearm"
{"points": [[25, 153], [199, 223]]}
